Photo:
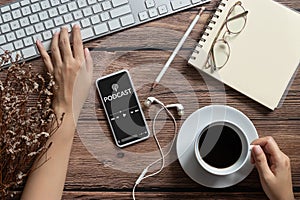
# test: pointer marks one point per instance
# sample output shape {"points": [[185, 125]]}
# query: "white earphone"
{"points": [[151, 100], [180, 111]]}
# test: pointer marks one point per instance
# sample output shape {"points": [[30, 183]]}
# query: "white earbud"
{"points": [[150, 100], [180, 108]]}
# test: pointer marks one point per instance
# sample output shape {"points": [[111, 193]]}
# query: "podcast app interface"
{"points": [[122, 108]]}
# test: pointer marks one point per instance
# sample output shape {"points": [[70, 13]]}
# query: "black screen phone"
{"points": [[122, 108]]}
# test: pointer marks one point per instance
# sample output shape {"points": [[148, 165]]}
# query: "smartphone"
{"points": [[122, 108]]}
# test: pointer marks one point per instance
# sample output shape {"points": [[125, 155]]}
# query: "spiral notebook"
{"points": [[263, 57]]}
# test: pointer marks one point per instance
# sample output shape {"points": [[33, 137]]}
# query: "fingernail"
{"points": [[257, 149]]}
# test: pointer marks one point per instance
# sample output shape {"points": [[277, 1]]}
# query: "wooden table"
{"points": [[100, 170]]}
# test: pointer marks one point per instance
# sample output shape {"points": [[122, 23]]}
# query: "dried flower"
{"points": [[26, 121]]}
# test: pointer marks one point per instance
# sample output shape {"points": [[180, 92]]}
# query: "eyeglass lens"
{"points": [[234, 25]]}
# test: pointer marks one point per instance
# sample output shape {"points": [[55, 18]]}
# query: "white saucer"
{"points": [[196, 122]]}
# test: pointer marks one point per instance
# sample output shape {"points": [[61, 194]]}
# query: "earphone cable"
{"points": [[142, 176]]}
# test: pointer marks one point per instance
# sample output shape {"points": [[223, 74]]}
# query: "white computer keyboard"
{"points": [[23, 22]]}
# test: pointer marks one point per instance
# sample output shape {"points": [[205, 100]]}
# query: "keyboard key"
{"points": [[153, 12], [96, 8], [95, 19], [143, 15], [6, 17], [36, 7], [106, 5], [78, 14], [150, 3], [119, 11], [64, 1], [26, 11], [16, 14], [5, 28], [162, 9], [8, 47], [43, 15], [29, 30], [24, 21], [72, 6], [45, 5], [5, 9], [53, 12], [62, 9], [15, 25], [58, 21], [85, 23], [87, 33], [104, 16], [15, 5], [25, 2], [18, 44], [82, 3], [114, 24], [2, 39], [116, 3], [54, 2], [87, 11], [20, 33], [10, 36], [100, 29], [177, 4], [47, 35], [127, 20], [68, 18], [90, 2], [33, 19], [49, 24], [29, 52], [39, 27], [37, 37], [28, 41]]}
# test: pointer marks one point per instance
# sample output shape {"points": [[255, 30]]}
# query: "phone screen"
{"points": [[122, 108]]}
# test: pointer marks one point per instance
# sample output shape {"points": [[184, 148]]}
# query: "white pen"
{"points": [[178, 47]]}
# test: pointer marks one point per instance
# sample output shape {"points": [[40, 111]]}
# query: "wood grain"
{"points": [[99, 170]]}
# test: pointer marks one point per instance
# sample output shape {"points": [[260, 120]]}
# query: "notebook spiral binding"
{"points": [[208, 29]]}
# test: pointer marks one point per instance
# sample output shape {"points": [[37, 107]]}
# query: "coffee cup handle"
{"points": [[251, 147]]}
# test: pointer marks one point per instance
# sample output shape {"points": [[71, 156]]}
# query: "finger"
{"points": [[64, 45], [45, 56], [261, 162], [56, 57], [88, 60], [77, 43], [269, 145]]}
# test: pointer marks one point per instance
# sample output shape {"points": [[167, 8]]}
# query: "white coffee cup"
{"points": [[224, 148]]}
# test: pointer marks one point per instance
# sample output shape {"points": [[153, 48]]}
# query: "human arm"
{"points": [[72, 71], [274, 169]]}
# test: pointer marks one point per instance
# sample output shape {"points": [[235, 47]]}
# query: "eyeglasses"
{"points": [[220, 51]]}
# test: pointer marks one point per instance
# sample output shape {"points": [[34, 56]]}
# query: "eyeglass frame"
{"points": [[211, 52]]}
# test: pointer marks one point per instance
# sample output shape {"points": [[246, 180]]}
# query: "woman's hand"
{"points": [[274, 169], [72, 71]]}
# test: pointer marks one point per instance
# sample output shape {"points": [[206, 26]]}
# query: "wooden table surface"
{"points": [[100, 170]]}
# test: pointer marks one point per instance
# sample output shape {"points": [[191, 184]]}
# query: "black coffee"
{"points": [[220, 146]]}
